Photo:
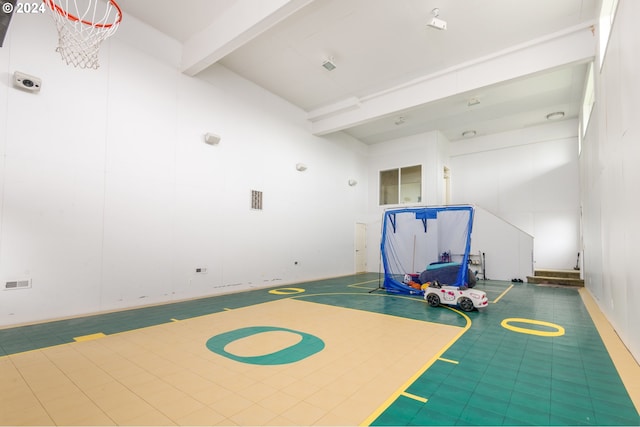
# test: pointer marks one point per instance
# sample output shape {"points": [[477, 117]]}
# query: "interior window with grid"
{"points": [[402, 185]]}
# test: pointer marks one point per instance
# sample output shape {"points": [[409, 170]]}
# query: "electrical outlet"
{"points": [[201, 270]]}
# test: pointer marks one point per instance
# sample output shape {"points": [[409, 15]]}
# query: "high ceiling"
{"points": [[380, 45]]}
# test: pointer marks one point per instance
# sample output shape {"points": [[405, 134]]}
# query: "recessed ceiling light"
{"points": [[468, 133], [555, 116]]}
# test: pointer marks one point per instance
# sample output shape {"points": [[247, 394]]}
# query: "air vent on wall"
{"points": [[256, 200], [18, 284]]}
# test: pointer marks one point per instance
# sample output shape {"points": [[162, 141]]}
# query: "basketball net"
{"points": [[82, 26]]}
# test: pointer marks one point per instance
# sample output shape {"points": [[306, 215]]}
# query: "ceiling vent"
{"points": [[329, 65]]}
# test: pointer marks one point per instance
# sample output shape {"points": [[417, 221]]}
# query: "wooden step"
{"points": [[570, 274], [555, 280]]}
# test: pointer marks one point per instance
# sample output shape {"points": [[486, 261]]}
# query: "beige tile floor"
{"points": [[165, 375]]}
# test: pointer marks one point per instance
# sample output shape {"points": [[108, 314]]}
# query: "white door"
{"points": [[361, 248]]}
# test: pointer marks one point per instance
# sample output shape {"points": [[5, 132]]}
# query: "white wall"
{"points": [[506, 250], [610, 179], [528, 177], [427, 149], [109, 197]]}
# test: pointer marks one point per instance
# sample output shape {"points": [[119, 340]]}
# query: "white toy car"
{"points": [[467, 299]]}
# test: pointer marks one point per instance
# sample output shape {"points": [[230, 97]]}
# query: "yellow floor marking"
{"points": [[414, 397], [502, 294], [286, 291], [559, 330], [355, 285], [421, 371], [89, 337], [174, 320], [455, 362], [228, 309]]}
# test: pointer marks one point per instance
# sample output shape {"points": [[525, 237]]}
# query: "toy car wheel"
{"points": [[465, 304], [433, 300]]}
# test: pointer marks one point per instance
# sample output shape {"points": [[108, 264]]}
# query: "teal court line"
{"points": [[308, 346]]}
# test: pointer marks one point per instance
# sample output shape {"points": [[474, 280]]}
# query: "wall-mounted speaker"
{"points": [[26, 82]]}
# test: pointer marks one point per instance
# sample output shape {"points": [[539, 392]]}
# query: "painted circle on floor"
{"points": [[286, 291], [556, 331], [307, 345]]}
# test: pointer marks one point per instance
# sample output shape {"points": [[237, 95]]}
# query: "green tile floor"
{"points": [[490, 376]]}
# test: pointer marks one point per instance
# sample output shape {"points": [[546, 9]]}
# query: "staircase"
{"points": [[557, 277]]}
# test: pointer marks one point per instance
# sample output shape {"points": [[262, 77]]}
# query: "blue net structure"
{"points": [[424, 244]]}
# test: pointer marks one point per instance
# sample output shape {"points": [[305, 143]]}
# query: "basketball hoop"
{"points": [[82, 28]]}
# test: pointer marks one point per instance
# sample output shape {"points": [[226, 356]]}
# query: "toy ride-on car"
{"points": [[467, 299]]}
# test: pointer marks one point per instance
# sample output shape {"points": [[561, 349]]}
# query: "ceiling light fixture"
{"points": [[555, 116], [435, 22], [469, 133], [329, 65]]}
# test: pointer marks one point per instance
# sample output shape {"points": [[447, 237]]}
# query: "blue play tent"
{"points": [[415, 239]]}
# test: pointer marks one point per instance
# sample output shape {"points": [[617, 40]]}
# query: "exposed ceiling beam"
{"points": [[577, 44], [243, 21]]}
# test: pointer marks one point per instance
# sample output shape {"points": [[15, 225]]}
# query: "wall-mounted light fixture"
{"points": [[352, 183], [211, 138], [301, 167], [437, 22]]}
